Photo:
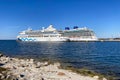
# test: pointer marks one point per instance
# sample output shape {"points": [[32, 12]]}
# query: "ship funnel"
{"points": [[75, 27], [67, 28]]}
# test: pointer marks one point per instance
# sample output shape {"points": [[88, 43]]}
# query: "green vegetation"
{"points": [[82, 71], [86, 72], [2, 69]]}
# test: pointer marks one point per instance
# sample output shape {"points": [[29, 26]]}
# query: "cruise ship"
{"points": [[48, 34], [79, 34], [51, 34]]}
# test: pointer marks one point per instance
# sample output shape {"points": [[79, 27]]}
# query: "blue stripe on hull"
{"points": [[26, 39]]}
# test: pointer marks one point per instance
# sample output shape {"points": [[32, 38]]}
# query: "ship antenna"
{"points": [[29, 28], [43, 29]]}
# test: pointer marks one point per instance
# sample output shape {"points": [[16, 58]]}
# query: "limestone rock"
{"points": [[104, 79], [61, 74], [96, 77], [1, 55]]}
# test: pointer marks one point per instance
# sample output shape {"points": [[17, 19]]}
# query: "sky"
{"points": [[102, 16]]}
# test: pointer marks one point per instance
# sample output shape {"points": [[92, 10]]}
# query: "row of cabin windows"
{"points": [[46, 36], [78, 34], [81, 37]]}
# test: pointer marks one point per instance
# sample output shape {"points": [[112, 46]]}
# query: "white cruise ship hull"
{"points": [[73, 39], [83, 39], [43, 39]]}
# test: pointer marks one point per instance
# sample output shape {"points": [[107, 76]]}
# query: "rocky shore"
{"points": [[29, 69]]}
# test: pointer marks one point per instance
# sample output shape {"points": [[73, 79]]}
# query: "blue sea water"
{"points": [[102, 57]]}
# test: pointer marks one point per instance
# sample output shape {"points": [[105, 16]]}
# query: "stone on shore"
{"points": [[96, 77]]}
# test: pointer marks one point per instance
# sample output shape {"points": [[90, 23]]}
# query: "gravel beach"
{"points": [[29, 69]]}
